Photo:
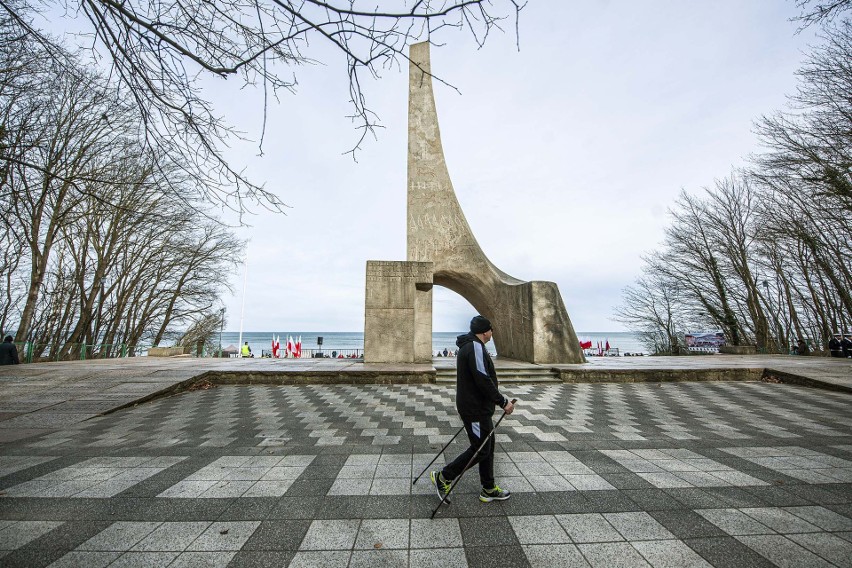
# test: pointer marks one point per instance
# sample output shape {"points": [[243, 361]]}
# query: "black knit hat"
{"points": [[479, 324]]}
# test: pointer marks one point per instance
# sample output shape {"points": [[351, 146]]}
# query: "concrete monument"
{"points": [[529, 318]]}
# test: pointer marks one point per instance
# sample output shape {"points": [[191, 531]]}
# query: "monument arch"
{"points": [[529, 318]]}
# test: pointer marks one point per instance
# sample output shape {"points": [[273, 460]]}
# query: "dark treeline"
{"points": [[766, 253], [97, 245]]}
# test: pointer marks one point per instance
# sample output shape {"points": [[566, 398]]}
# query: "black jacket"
{"points": [[8, 354], [476, 381]]}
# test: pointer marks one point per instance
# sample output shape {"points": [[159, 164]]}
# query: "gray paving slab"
{"points": [[331, 535], [554, 556], [669, 554], [383, 534], [83, 559], [192, 479], [589, 527], [18, 533], [782, 551], [144, 559], [612, 555], [825, 519], [440, 558], [171, 536], [836, 550], [203, 560], [321, 559], [435, 533], [538, 529]]}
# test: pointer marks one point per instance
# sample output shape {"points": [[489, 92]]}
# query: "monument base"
{"points": [[398, 312]]}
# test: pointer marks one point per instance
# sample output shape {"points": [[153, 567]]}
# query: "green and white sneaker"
{"points": [[442, 486], [493, 494]]}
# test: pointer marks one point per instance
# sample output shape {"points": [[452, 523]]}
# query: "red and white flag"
{"points": [[607, 344], [276, 347], [290, 346], [299, 347]]}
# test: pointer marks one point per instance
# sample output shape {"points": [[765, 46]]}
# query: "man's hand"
{"points": [[509, 408]]}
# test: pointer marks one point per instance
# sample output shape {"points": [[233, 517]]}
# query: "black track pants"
{"points": [[477, 430]]}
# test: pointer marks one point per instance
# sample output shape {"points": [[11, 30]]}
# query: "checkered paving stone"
{"points": [[96, 477], [802, 463], [661, 475], [388, 415], [241, 476], [15, 534], [11, 464], [524, 472], [679, 467]]}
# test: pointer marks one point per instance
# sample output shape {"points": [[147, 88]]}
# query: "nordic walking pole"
{"points": [[470, 462], [439, 453]]}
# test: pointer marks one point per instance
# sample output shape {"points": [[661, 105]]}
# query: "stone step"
{"points": [[521, 375]]}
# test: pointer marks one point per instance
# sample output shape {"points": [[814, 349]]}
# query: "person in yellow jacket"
{"points": [[247, 350]]}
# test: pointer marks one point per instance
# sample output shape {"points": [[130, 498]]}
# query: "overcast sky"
{"points": [[565, 155]]}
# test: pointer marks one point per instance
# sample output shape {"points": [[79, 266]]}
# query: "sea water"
{"points": [[625, 342]]}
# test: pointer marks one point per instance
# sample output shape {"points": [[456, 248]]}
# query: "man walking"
{"points": [[8, 352], [477, 396]]}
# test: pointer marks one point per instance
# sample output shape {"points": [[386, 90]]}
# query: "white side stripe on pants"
{"points": [[474, 426]]}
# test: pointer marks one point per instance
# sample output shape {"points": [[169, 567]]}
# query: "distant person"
{"points": [[802, 348], [334, 354], [247, 350], [8, 352], [834, 345], [446, 352], [438, 354], [846, 345]]}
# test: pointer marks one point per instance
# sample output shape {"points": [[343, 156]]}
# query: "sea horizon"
{"points": [[624, 341]]}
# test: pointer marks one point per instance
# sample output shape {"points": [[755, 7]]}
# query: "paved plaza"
{"points": [[604, 475]]}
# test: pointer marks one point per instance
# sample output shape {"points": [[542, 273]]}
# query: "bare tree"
{"points": [[201, 333], [765, 255], [98, 249], [651, 307], [158, 51], [821, 11]]}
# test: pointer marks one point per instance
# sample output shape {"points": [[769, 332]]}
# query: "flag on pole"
{"points": [[607, 344], [290, 346], [276, 347], [299, 347]]}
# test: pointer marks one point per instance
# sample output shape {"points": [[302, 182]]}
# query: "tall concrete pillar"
{"points": [[529, 318], [398, 312]]}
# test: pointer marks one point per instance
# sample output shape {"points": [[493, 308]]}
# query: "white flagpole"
{"points": [[243, 309]]}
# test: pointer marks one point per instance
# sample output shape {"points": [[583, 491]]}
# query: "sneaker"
{"points": [[493, 494], [442, 486]]}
